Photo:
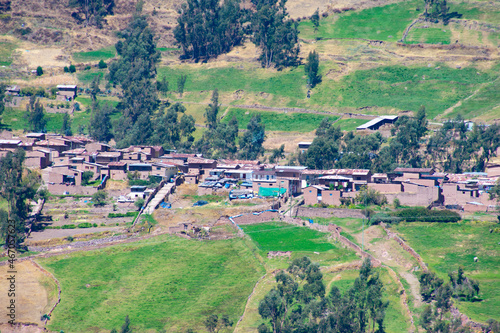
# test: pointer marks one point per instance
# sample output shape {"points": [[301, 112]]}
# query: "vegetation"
{"points": [[93, 11], [283, 237], [99, 198], [35, 115], [446, 247], [208, 28], [101, 54], [187, 281], [299, 303], [311, 68], [17, 189], [251, 142]]}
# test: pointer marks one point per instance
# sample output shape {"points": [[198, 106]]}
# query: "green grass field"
{"points": [[485, 12], [446, 246], [164, 282], [385, 23], [278, 121], [288, 83], [6, 49], [429, 36], [275, 236], [104, 53], [86, 77]]}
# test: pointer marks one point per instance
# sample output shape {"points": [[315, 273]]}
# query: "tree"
{"points": [[100, 123], [93, 10], [212, 110], [2, 97], [66, 125], [181, 81], [39, 71], [162, 85], [315, 20], [277, 154], [252, 140], [126, 326], [311, 68], [72, 68], [139, 203], [99, 198], [275, 34], [208, 28], [370, 196], [86, 177], [102, 64], [35, 115], [18, 190]]}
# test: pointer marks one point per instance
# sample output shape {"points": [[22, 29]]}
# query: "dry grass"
{"points": [[290, 139], [35, 293]]}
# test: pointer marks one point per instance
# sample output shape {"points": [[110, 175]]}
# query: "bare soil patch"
{"points": [[36, 293]]}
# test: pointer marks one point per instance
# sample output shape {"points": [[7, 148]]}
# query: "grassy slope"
{"points": [[277, 121], [6, 49], [371, 23], [446, 246], [104, 53], [186, 281]]}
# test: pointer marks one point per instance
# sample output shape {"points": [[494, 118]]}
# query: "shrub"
{"points": [[369, 196], [383, 217], [77, 106], [94, 225], [422, 214], [87, 68], [72, 68], [66, 69], [85, 225], [68, 226], [69, 238], [86, 177], [396, 203], [99, 198], [39, 71], [139, 203], [102, 64]]}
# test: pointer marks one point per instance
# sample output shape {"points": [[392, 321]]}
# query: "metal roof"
{"points": [[376, 121]]}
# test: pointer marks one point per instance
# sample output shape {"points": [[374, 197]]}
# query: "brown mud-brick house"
{"points": [[203, 165], [117, 170], [164, 170], [108, 157], [66, 92], [10, 144], [412, 173], [97, 147], [144, 170], [315, 194], [55, 144], [36, 160]]}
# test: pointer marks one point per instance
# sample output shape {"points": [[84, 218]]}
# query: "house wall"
{"points": [[117, 174], [493, 171], [386, 188], [61, 188], [310, 196], [191, 179], [411, 175], [425, 182], [453, 196], [475, 208], [331, 197]]}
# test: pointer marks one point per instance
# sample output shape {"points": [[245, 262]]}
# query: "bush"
{"points": [[86, 177], [102, 64], [66, 69], [128, 214], [39, 71], [369, 196], [72, 68], [77, 106], [85, 225], [139, 203], [422, 214], [396, 203], [68, 226], [69, 238], [87, 68], [99, 198], [385, 218]]}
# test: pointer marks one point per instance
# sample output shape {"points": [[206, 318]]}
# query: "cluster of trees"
{"points": [[439, 295], [220, 138], [438, 9], [93, 11], [18, 187], [35, 115], [453, 148], [299, 303], [208, 28]]}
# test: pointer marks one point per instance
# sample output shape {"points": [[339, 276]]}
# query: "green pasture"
{"points": [[275, 236], [429, 36], [483, 11], [164, 282], [101, 54], [86, 77], [447, 246], [279, 121], [6, 50], [385, 23]]}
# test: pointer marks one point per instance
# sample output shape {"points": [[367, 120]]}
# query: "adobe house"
{"points": [[97, 147], [337, 182], [107, 157], [164, 170], [13, 90], [192, 177], [142, 169], [36, 136], [304, 146], [117, 170], [36, 160], [66, 92], [310, 177], [412, 173], [55, 144], [10, 144], [202, 164]]}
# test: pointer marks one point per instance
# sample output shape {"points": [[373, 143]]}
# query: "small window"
{"points": [[330, 194], [158, 168], [310, 191]]}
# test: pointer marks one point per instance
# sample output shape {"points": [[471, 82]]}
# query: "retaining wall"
{"points": [[328, 212]]}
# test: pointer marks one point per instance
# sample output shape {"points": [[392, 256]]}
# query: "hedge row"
{"points": [[417, 214]]}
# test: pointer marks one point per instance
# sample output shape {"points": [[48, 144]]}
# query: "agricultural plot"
{"points": [[441, 35], [447, 246], [6, 50], [385, 23], [186, 281], [278, 121], [301, 241], [104, 53], [484, 11]]}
